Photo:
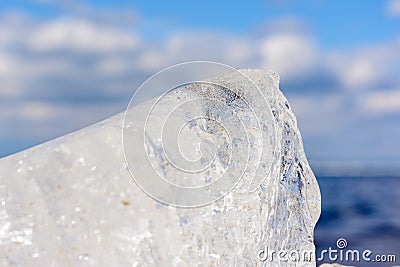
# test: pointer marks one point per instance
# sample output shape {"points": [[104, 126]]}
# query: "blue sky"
{"points": [[336, 23], [67, 64]]}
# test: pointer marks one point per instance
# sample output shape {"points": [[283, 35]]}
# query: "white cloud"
{"points": [[9, 84], [80, 35], [185, 46], [286, 24], [366, 68], [37, 111], [360, 73], [393, 8], [113, 65], [63, 58], [382, 102], [289, 54]]}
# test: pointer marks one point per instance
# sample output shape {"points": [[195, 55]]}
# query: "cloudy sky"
{"points": [[67, 64]]}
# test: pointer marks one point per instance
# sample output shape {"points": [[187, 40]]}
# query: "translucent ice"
{"points": [[72, 201]]}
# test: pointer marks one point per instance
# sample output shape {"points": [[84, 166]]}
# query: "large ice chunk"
{"points": [[73, 202]]}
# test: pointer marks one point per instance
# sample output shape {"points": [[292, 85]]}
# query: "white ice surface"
{"points": [[73, 202]]}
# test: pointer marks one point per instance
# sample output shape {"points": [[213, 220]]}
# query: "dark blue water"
{"points": [[363, 210]]}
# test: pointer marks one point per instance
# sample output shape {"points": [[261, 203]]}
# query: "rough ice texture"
{"points": [[72, 202]]}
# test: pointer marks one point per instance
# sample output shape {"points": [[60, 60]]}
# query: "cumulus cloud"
{"points": [[288, 54], [190, 46], [80, 36], [64, 57], [369, 67], [360, 73]]}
